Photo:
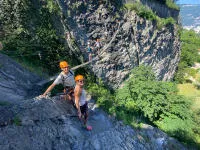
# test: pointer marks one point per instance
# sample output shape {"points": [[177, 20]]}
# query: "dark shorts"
{"points": [[84, 108]]}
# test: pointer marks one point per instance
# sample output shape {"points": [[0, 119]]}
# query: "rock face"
{"points": [[52, 123], [15, 81], [127, 40]]}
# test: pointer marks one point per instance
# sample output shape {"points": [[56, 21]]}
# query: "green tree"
{"points": [[153, 98], [158, 102], [189, 53], [31, 36]]}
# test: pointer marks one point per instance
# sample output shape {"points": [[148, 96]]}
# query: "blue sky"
{"points": [[188, 2]]}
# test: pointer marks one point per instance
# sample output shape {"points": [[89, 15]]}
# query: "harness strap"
{"points": [[63, 79]]}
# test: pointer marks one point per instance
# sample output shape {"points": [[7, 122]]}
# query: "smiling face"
{"points": [[65, 69], [79, 80], [80, 83]]}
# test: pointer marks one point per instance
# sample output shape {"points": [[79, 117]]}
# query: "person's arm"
{"points": [[56, 82], [77, 98], [49, 89]]}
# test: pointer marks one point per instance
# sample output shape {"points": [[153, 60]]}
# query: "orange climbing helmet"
{"points": [[63, 64], [79, 77]]}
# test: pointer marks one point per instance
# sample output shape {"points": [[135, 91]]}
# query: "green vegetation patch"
{"points": [[17, 121], [144, 99], [190, 43], [141, 10], [145, 12], [189, 90], [53, 7], [100, 92], [161, 22], [34, 38], [4, 103], [171, 4]]}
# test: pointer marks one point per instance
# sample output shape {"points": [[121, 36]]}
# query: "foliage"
{"points": [[145, 12], [152, 97], [13, 14], [190, 45], [32, 36], [183, 130], [180, 74], [78, 7], [17, 121], [197, 120], [98, 91], [171, 4], [53, 8], [189, 90], [161, 22], [142, 97], [189, 54], [141, 10], [157, 101], [191, 72], [4, 103], [143, 73]]}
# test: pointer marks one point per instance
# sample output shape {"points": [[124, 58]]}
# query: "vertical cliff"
{"points": [[127, 39]]}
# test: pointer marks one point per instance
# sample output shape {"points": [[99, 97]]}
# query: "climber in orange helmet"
{"points": [[66, 78], [80, 100]]}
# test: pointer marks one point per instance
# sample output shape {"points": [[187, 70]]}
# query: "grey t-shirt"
{"points": [[66, 79]]}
